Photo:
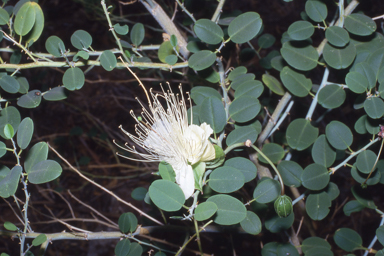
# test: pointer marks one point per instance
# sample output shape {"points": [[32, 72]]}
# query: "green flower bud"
{"points": [[283, 206]]}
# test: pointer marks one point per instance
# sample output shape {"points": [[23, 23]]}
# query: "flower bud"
{"points": [[283, 206]]}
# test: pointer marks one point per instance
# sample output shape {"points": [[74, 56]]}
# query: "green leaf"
{"points": [[352, 206], [226, 179], [273, 84], [331, 96], [44, 171], [380, 234], [322, 152], [242, 134], [9, 84], [339, 135], [137, 34], [10, 226], [205, 211], [244, 27], [166, 195], [374, 107], [316, 10], [266, 61], [272, 151], [287, 249], [376, 60], [199, 93], [165, 50], [365, 161], [166, 171], [266, 40], [201, 60], [139, 193], [208, 31], [359, 24], [173, 41], [121, 30], [82, 54], [356, 82], [360, 125], [24, 85], [30, 100], [8, 131], [237, 72], [301, 30], [73, 79], [252, 88], [317, 205], [337, 36], [136, 250], [315, 177], [241, 80], [25, 19], [81, 39], [244, 165], [38, 153], [108, 60], [347, 239], [25, 132], [365, 69], [363, 197], [300, 55], [291, 173], [8, 185], [39, 240], [230, 210], [127, 222], [362, 178], [54, 46], [295, 82], [301, 134], [316, 243], [267, 191], [276, 224], [171, 59], [57, 93], [4, 17], [244, 109], [3, 149], [372, 125], [251, 224], [212, 112], [38, 27], [9, 115], [339, 57], [122, 247], [278, 63]]}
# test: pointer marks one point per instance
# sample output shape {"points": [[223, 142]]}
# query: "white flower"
{"points": [[166, 136]]}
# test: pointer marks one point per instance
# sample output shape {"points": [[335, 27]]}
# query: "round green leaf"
{"points": [[374, 107], [337, 36], [165, 50], [267, 191], [25, 132], [365, 161], [317, 205], [295, 82], [121, 30], [376, 60], [205, 211], [372, 125], [300, 55], [277, 224], [365, 69], [339, 135], [166, 195], [201, 60], [24, 85], [359, 24], [315, 243], [44, 171], [322, 152], [316, 10], [287, 249], [356, 82], [273, 151], [4, 17], [136, 250], [252, 88], [266, 41], [127, 222], [10, 226], [251, 224], [244, 27], [81, 54], [9, 115], [173, 40], [166, 171], [122, 247], [57, 93], [347, 239], [199, 93], [291, 173], [362, 178], [352, 206], [137, 34], [363, 197], [212, 112], [3, 149], [208, 31], [270, 249], [242, 134], [38, 27], [241, 80], [301, 30], [39, 240], [30, 100], [171, 59], [8, 131], [273, 84], [108, 60], [226, 179], [244, 165], [315, 177], [38, 153], [81, 39], [8, 185], [331, 96], [73, 79], [230, 210], [25, 19], [380, 234], [9, 84], [301, 134], [360, 125], [139, 193], [237, 72], [244, 109], [339, 58], [55, 46]]}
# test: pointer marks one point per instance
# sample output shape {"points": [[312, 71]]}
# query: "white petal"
{"points": [[209, 153], [186, 180]]}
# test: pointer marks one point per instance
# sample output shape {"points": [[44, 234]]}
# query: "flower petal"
{"points": [[186, 180]]}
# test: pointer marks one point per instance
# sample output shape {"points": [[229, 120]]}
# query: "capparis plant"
{"points": [[256, 141]]}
